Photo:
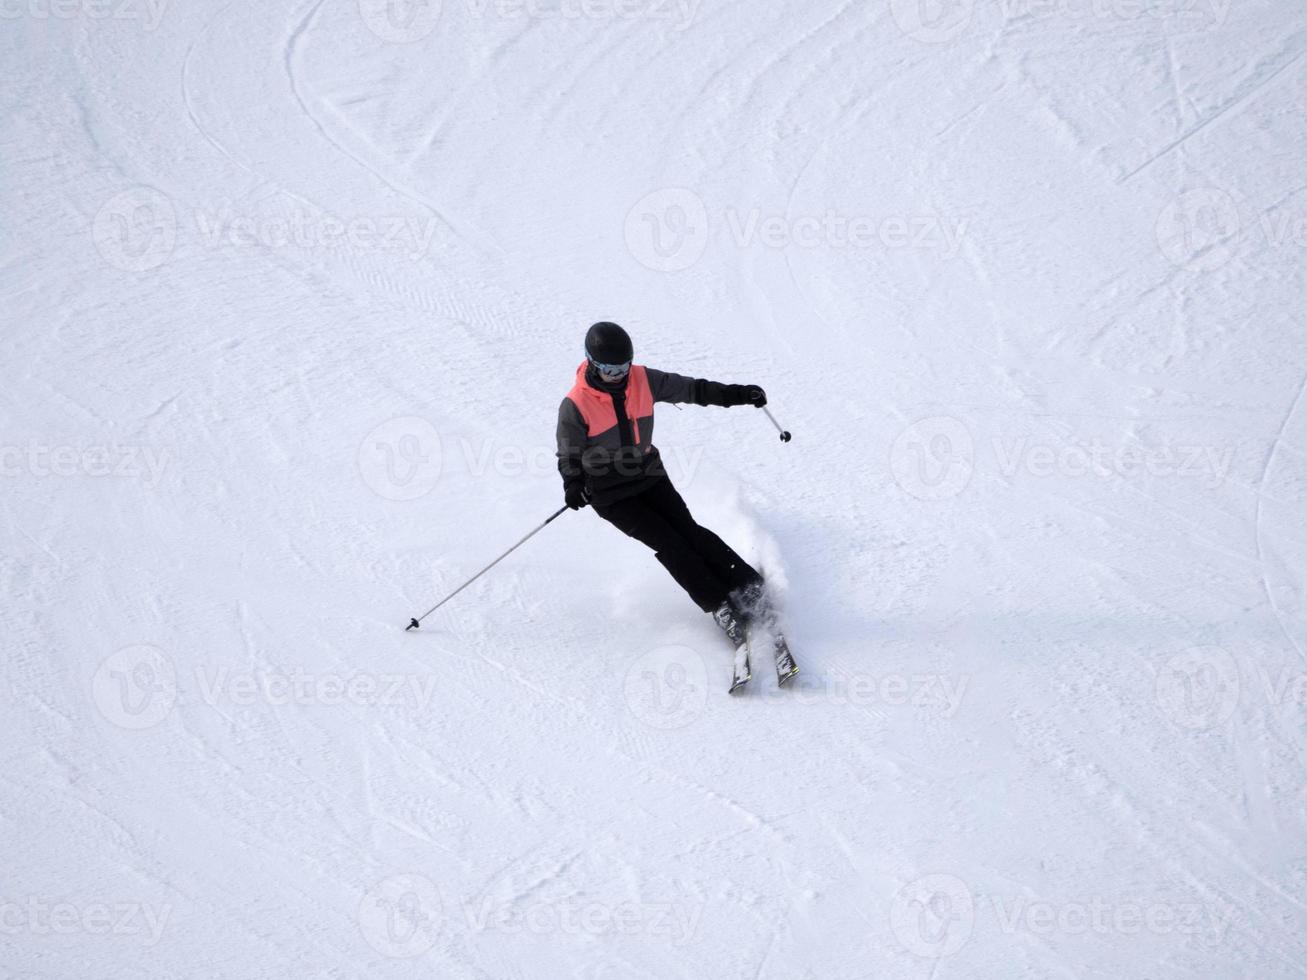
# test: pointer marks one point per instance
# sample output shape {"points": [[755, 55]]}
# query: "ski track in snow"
{"points": [[1257, 519], [1023, 686]]}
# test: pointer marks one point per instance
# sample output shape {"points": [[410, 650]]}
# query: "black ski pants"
{"points": [[701, 562]]}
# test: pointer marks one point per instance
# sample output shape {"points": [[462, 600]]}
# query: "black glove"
{"points": [[745, 395], [575, 494]]}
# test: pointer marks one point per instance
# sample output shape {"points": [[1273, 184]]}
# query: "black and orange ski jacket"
{"points": [[605, 432]]}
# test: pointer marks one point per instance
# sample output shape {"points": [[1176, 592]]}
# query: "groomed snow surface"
{"points": [[291, 291]]}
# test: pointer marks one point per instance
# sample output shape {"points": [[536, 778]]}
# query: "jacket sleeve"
{"points": [[571, 435], [668, 387]]}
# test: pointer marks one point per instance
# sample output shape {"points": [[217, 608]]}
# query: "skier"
{"points": [[608, 460]]}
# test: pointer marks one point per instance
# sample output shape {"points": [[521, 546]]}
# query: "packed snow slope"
{"points": [[291, 292]]}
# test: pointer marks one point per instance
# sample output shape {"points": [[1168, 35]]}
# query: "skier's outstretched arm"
{"points": [[668, 387]]}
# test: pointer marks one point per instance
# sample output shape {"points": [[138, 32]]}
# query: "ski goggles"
{"points": [[612, 371]]}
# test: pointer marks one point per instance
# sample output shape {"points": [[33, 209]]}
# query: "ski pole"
{"points": [[417, 620], [785, 436]]}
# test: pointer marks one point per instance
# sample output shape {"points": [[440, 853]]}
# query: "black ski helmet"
{"points": [[607, 343]]}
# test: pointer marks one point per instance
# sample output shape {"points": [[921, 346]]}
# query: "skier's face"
{"points": [[612, 373]]}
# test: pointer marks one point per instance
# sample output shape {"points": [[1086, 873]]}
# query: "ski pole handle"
{"points": [[785, 436], [416, 621]]}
